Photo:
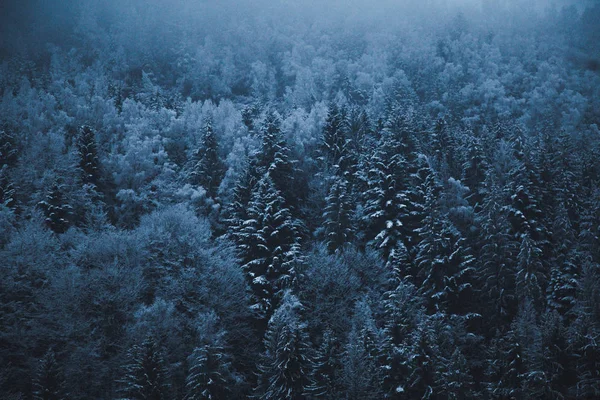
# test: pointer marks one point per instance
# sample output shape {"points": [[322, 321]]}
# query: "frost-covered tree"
{"points": [[208, 169], [57, 210], [326, 368], [145, 376], [339, 229], [285, 365], [209, 376], [269, 247], [87, 154]]}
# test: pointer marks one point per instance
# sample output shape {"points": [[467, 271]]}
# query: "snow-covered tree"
{"points": [[209, 376], [285, 365], [338, 216], [145, 376], [208, 169]]}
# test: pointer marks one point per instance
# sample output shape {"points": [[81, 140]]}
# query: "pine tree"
{"points": [[326, 368], [8, 148], [403, 312], [49, 383], [559, 362], [455, 381], [385, 201], [361, 376], [474, 173], [145, 375], [58, 212], [208, 169], [87, 152], [209, 375], [335, 142], [338, 216], [275, 159], [422, 364], [270, 248], [7, 190], [285, 365]]}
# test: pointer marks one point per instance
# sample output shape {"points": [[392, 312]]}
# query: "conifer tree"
{"points": [[284, 367], [49, 383], [209, 376], [57, 211], [269, 248], [335, 143], [456, 381], [7, 190], [87, 152], [338, 216], [145, 376], [208, 169], [326, 368]]}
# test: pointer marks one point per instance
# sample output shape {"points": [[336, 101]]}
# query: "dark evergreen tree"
{"points": [[284, 367], [455, 381], [326, 368], [49, 383], [403, 313], [87, 152], [8, 148], [270, 248], [208, 169], [335, 143], [209, 376], [422, 364], [474, 173], [144, 375], [338, 216], [385, 201], [559, 361], [56, 209], [361, 375], [7, 190], [275, 159]]}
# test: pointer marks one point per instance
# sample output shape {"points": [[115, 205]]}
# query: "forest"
{"points": [[299, 199]]}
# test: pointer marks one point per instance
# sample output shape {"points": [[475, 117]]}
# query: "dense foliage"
{"points": [[290, 201]]}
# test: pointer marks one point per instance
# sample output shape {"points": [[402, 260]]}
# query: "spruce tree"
{"points": [[49, 383], [285, 365], [145, 376], [326, 368], [335, 143], [338, 216], [56, 209], [208, 169], [87, 152], [209, 376], [270, 248], [7, 190]]}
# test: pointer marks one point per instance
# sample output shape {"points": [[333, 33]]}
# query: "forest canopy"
{"points": [[336, 199]]}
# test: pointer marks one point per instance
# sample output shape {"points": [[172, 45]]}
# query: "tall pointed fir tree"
{"points": [[145, 376], [269, 247], [209, 376], [526, 219], [361, 375], [403, 311], [474, 173], [385, 201], [338, 216], [208, 169], [275, 159], [56, 209], [335, 143], [87, 152], [285, 365], [49, 383], [455, 380], [326, 368], [7, 190]]}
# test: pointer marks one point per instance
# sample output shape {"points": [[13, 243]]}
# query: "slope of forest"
{"points": [[299, 200]]}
